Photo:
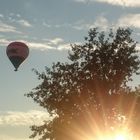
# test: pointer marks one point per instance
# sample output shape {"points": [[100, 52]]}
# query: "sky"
{"points": [[48, 27]]}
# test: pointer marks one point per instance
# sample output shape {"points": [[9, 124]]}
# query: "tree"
{"points": [[90, 95]]}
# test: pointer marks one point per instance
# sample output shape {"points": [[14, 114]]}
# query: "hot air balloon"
{"points": [[17, 52]]}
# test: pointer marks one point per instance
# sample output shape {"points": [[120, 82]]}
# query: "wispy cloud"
{"points": [[54, 41], [24, 23], [16, 18], [4, 42], [83, 1], [33, 45], [6, 137], [128, 20], [132, 20], [40, 45], [7, 28], [49, 46], [1, 15], [100, 22], [48, 25], [126, 3], [15, 118], [46, 44], [64, 47]]}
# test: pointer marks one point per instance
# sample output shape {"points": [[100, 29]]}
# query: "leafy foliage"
{"points": [[91, 89]]}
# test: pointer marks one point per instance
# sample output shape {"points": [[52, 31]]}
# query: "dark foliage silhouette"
{"points": [[90, 94]]}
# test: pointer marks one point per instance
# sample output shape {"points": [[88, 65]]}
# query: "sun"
{"points": [[124, 134], [116, 136], [120, 137]]}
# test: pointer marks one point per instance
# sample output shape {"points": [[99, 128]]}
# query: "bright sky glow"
{"points": [[120, 137], [117, 136]]}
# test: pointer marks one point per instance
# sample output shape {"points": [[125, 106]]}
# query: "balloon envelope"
{"points": [[17, 52]]}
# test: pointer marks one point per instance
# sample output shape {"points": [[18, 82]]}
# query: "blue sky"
{"points": [[48, 27]]}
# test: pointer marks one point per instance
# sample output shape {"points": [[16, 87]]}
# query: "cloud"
{"points": [[15, 118], [32, 45], [50, 45], [64, 47], [114, 2], [4, 42], [54, 44], [46, 25], [7, 28], [16, 18], [126, 3], [6, 137], [138, 47], [83, 1], [81, 25], [132, 20], [101, 22], [46, 44], [128, 20], [41, 46], [54, 41], [18, 15], [24, 23], [1, 15]]}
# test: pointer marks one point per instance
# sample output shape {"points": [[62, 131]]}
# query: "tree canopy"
{"points": [[90, 96]]}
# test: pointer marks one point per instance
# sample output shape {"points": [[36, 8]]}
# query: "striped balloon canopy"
{"points": [[17, 52]]}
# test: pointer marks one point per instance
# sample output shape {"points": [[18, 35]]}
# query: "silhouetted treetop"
{"points": [[90, 86]]}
